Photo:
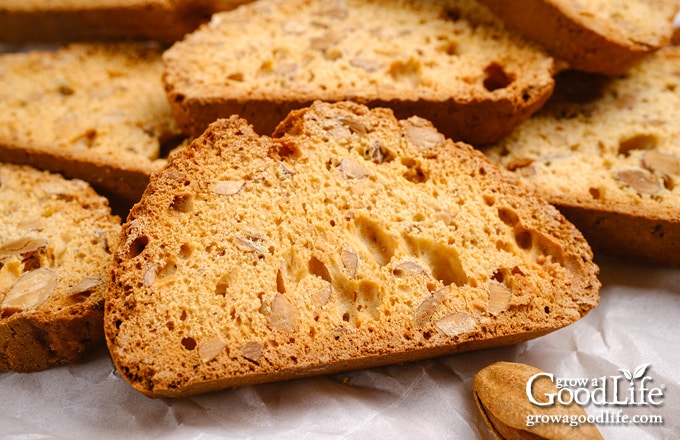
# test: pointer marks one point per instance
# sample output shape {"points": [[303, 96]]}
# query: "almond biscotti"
{"points": [[56, 239], [23, 21], [606, 152], [91, 111], [450, 62], [601, 36], [349, 239]]}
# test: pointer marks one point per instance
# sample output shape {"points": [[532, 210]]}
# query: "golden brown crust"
{"points": [[36, 342], [161, 20], [468, 75], [588, 40], [348, 240], [625, 235]]}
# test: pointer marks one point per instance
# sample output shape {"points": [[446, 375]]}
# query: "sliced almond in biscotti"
{"points": [[56, 239], [449, 61], [432, 251], [600, 36]]}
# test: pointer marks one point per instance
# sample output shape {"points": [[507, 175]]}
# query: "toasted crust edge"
{"points": [[569, 39]]}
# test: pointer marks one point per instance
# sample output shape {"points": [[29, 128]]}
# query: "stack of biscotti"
{"points": [[606, 152], [24, 21], [347, 240], [599, 36], [449, 61], [96, 112], [56, 240]]}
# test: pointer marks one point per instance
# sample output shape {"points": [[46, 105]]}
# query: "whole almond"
{"points": [[500, 392]]}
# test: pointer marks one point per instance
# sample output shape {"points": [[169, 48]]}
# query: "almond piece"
{"points": [[247, 245], [499, 297], [421, 134], [228, 187], [424, 312], [22, 246], [351, 262], [149, 276], [320, 297], [284, 315], [662, 163], [210, 349], [252, 351], [30, 290], [352, 170], [640, 180], [87, 283], [354, 125], [457, 323], [408, 268]]}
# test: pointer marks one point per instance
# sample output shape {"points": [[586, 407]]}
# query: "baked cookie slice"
{"points": [[349, 239], [451, 62], [601, 36], [96, 112], [23, 21], [606, 152], [55, 254]]}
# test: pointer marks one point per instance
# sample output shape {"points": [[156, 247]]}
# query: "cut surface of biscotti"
{"points": [[606, 152], [91, 111], [33, 21], [348, 240], [450, 62], [55, 254], [602, 36]]}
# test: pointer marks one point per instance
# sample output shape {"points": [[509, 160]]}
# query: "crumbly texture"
{"points": [[451, 62], [606, 152], [349, 240], [55, 254], [600, 36], [85, 20], [96, 112]]}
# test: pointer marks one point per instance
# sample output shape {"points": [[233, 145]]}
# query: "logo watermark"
{"points": [[611, 394]]}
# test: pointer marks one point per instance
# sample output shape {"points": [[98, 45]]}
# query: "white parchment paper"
{"points": [[636, 323]]}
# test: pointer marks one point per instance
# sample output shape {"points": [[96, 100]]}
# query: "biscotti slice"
{"points": [[91, 111], [606, 152], [450, 62], [55, 253], [24, 21], [601, 36], [349, 240]]}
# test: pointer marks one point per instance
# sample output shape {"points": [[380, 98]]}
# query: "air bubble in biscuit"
{"points": [[137, 246], [496, 77], [182, 203]]}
